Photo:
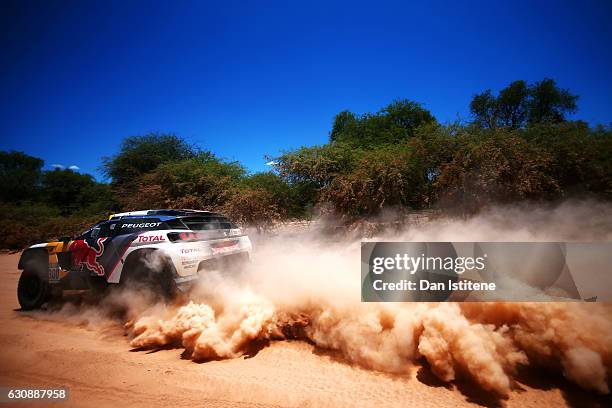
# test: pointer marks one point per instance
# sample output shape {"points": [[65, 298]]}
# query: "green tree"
{"points": [[406, 114], [201, 182], [520, 104], [484, 110], [394, 123], [550, 104], [97, 198], [20, 176], [71, 191], [344, 124], [141, 154], [513, 105]]}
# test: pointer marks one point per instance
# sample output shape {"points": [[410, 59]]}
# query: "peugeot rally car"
{"points": [[166, 249]]}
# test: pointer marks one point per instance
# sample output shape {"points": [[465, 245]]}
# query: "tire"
{"points": [[32, 291], [158, 282], [97, 285]]}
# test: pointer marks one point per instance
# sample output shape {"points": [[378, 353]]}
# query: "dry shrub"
{"points": [[499, 168], [253, 207]]}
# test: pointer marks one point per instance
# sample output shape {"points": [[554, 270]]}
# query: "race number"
{"points": [[54, 274]]}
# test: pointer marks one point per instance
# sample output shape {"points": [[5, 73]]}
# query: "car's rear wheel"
{"points": [[32, 290], [158, 280]]}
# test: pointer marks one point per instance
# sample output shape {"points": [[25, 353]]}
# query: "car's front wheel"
{"points": [[32, 291]]}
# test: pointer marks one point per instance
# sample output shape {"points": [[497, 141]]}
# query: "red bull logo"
{"points": [[86, 256]]}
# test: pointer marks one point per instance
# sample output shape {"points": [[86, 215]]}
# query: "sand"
{"points": [[100, 369]]}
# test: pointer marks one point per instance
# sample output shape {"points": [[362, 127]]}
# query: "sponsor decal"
{"points": [[190, 250], [224, 249], [150, 238], [142, 225], [85, 255]]}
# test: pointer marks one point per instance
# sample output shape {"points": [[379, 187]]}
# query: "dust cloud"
{"points": [[306, 285]]}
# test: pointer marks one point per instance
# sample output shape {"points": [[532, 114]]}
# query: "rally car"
{"points": [[165, 249]]}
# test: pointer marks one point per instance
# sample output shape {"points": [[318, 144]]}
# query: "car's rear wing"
{"points": [[161, 212]]}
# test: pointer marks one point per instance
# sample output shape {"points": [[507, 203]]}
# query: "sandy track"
{"points": [[101, 370]]}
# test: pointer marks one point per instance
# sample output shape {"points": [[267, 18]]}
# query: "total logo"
{"points": [[190, 250], [150, 238]]}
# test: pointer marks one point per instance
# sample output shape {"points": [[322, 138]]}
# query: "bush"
{"points": [[203, 182], [291, 200], [317, 165], [495, 166], [519, 147], [70, 191], [385, 177], [31, 223], [256, 207], [581, 156]]}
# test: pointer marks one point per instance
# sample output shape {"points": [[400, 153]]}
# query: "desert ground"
{"points": [[101, 369]]}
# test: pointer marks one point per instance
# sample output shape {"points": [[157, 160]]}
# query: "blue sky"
{"points": [[245, 79]]}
